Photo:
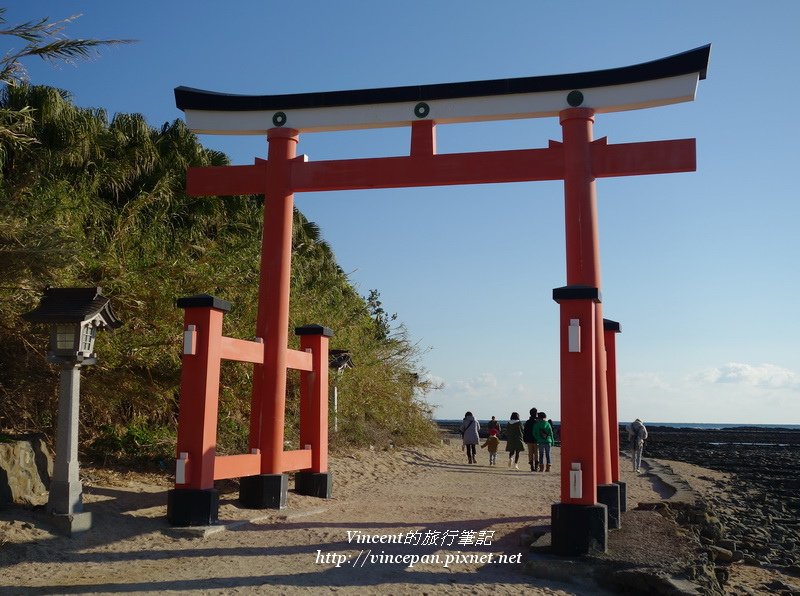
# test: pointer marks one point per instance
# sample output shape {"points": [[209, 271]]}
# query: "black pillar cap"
{"points": [[609, 325], [313, 330], [576, 293], [204, 301]]}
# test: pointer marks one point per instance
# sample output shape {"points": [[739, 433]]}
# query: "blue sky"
{"points": [[700, 269]]}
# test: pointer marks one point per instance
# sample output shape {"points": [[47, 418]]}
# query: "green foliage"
{"points": [[98, 202], [137, 443]]}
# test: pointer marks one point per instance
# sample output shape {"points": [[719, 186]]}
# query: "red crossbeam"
{"points": [[227, 180], [432, 170], [632, 159], [523, 165]]}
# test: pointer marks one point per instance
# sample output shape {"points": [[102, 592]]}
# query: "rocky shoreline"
{"points": [[756, 513], [758, 509]]}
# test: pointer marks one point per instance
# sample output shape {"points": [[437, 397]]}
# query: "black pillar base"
{"points": [[192, 506], [579, 529], [608, 495], [314, 484], [623, 496], [264, 491]]}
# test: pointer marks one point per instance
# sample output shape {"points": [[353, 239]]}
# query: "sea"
{"points": [[698, 425]]}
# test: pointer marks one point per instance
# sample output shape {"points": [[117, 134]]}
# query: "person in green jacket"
{"points": [[543, 433], [514, 443]]}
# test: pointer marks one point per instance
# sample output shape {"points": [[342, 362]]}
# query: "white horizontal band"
{"points": [[616, 98]]}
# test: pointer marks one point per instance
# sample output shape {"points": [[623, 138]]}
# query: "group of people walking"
{"points": [[535, 436]]}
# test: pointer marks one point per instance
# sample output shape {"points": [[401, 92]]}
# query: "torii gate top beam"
{"points": [[650, 84]]}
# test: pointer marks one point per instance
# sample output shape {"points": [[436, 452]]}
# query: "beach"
{"points": [[401, 521]]}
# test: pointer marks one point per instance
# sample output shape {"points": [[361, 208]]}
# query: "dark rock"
{"points": [[729, 544], [721, 555], [723, 574], [759, 509]]}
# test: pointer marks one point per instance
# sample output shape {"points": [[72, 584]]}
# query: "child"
{"points": [[492, 442]]}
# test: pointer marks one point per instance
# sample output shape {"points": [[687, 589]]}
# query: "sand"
{"points": [[465, 527]]}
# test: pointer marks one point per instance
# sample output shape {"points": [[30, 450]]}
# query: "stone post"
{"points": [[65, 503]]}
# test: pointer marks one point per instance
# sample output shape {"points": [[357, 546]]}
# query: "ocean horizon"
{"points": [[696, 425]]}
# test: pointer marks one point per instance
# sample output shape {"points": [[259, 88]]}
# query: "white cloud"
{"points": [[477, 385], [763, 375], [643, 381], [489, 393], [519, 389]]}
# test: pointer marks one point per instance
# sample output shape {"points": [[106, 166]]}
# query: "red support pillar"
{"points": [[268, 403], [314, 395], [314, 412], [573, 532], [194, 501], [579, 524], [580, 199], [269, 382], [583, 251], [577, 310], [604, 474], [610, 330]]}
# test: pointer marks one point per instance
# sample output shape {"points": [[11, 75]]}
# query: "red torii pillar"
{"points": [[590, 497], [610, 330], [583, 271]]}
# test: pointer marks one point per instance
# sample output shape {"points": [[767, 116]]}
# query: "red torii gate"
{"points": [[590, 492]]}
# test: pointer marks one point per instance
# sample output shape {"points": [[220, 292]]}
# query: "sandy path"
{"points": [[457, 518]]}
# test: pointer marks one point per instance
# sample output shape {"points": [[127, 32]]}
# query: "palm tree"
{"points": [[46, 40]]}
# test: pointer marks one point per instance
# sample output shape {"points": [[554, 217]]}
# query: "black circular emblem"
{"points": [[422, 109], [279, 118], [575, 98]]}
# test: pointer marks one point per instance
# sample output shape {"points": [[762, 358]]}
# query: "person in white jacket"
{"points": [[637, 433], [469, 433]]}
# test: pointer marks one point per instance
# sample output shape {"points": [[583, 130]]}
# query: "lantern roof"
{"points": [[74, 305], [340, 359]]}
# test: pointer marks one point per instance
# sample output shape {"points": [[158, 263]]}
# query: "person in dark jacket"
{"points": [[530, 440], [493, 424], [514, 443]]}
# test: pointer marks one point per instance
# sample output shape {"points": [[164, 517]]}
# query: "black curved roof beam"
{"points": [[659, 82]]}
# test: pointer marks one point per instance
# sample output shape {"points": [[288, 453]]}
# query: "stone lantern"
{"points": [[338, 360], [74, 315]]}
